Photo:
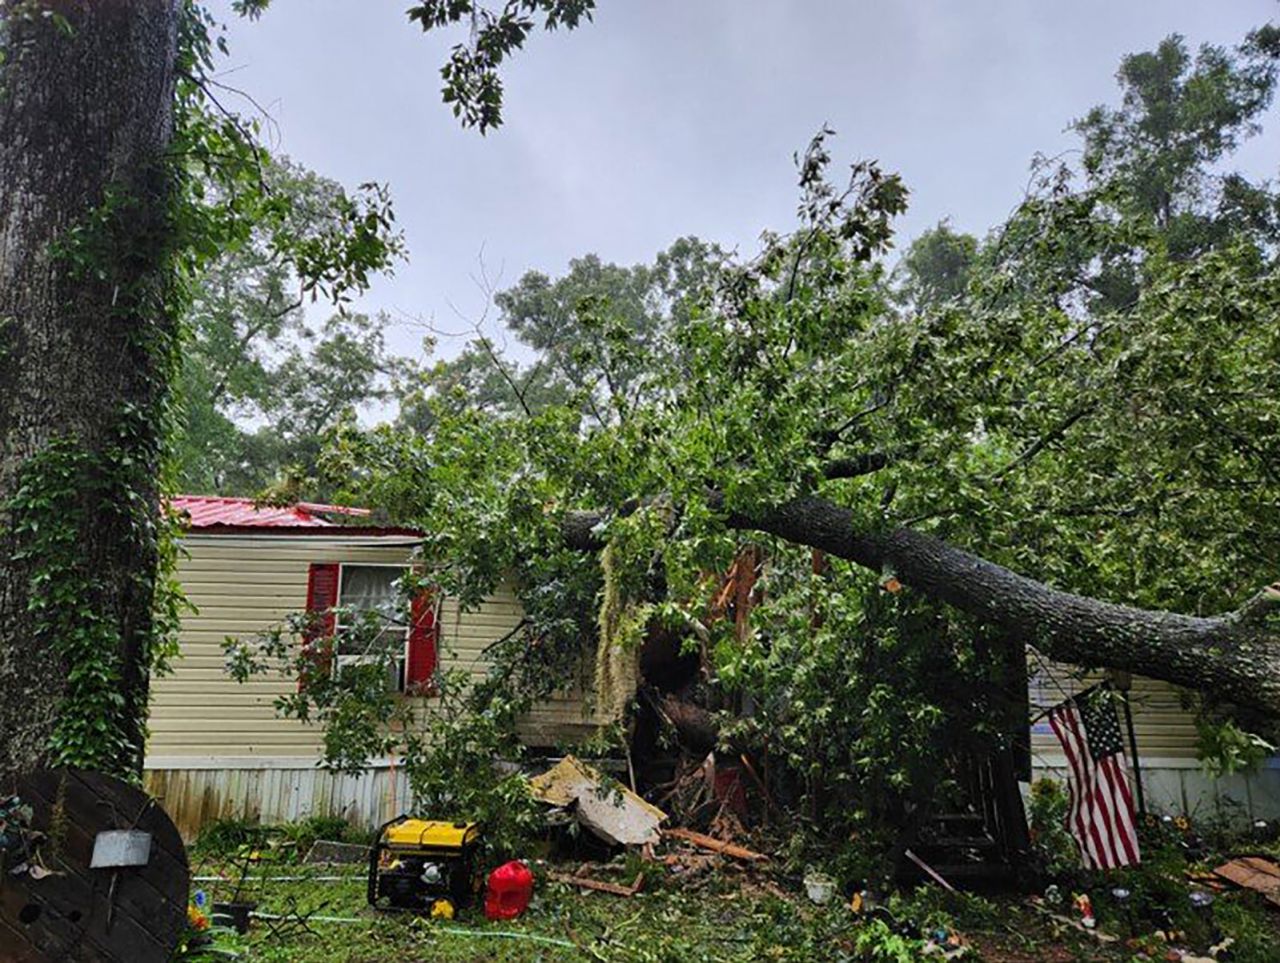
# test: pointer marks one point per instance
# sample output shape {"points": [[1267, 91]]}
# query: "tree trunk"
{"points": [[1233, 657], [87, 339]]}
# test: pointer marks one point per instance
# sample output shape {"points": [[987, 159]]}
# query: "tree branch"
{"points": [[1234, 657], [1054, 434], [251, 332], [506, 375]]}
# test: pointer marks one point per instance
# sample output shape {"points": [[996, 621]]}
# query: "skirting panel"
{"points": [[1186, 789], [282, 794], [194, 797]]}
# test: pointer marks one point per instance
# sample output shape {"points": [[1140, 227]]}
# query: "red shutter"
{"points": [[421, 664], [317, 640]]}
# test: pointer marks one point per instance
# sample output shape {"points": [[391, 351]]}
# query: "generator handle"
{"points": [[375, 851]]}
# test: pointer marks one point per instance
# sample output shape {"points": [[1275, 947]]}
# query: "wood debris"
{"points": [[1074, 924], [713, 845], [770, 805], [601, 886], [604, 806], [933, 873], [1255, 873], [1207, 880]]}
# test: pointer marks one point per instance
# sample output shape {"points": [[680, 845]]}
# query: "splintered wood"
{"points": [[604, 806]]}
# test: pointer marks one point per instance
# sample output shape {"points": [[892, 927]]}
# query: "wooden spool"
{"points": [[135, 914]]}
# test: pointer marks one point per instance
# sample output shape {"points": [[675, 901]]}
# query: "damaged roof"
{"points": [[220, 514]]}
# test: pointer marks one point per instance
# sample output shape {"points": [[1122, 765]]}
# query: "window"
{"points": [[369, 598]]}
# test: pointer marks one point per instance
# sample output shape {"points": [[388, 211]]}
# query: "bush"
{"points": [[334, 828], [1055, 849], [234, 837], [224, 837], [457, 770], [876, 941]]}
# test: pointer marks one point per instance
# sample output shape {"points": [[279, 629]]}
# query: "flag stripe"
{"points": [[1082, 807], [1079, 792], [1075, 785], [1122, 803], [1101, 857], [1102, 817], [1099, 823]]}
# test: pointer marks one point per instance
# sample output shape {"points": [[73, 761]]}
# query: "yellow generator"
{"points": [[425, 865]]}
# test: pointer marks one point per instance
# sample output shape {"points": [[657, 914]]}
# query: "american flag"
{"points": [[1100, 816]]}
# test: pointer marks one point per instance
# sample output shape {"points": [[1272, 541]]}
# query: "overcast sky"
{"points": [[670, 117]]}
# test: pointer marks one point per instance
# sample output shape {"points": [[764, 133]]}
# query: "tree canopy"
{"points": [[472, 74], [254, 358], [1084, 397]]}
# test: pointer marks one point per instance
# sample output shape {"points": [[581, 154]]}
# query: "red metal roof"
{"points": [[216, 511]]}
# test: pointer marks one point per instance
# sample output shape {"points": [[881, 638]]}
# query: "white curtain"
{"points": [[372, 588], [369, 587]]}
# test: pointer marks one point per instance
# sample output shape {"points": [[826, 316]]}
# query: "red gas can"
{"points": [[510, 889]]}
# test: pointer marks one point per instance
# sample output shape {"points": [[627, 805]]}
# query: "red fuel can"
{"points": [[510, 889]]}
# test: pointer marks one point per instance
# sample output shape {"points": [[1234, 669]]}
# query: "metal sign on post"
{"points": [[121, 847]]}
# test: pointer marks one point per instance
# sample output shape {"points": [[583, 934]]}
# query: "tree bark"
{"points": [[1234, 657], [86, 345]]}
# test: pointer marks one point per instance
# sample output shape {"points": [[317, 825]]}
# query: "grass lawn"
{"points": [[722, 914]]}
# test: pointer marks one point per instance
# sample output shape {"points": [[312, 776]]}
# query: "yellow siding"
{"points": [[1164, 730], [245, 584], [464, 637]]}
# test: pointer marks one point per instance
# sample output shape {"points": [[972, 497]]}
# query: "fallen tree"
{"points": [[1233, 657], [1077, 403], [1069, 398], [1149, 488]]}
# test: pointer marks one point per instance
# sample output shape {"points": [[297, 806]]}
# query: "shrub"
{"points": [[462, 767], [224, 837], [234, 837], [1055, 849], [305, 833]]}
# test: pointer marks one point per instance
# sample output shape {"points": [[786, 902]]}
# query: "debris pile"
{"points": [[600, 804]]}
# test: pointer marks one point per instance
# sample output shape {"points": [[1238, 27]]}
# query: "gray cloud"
{"points": [[671, 117]]}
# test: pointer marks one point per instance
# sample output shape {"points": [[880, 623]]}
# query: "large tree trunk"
{"points": [[86, 344], [1233, 657]]}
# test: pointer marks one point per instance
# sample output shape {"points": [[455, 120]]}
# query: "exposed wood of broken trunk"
{"points": [[1234, 657]]}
